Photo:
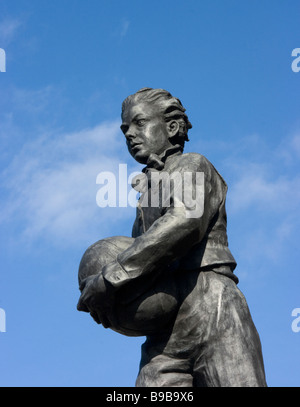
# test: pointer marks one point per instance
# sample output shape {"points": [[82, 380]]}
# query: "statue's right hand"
{"points": [[95, 299]]}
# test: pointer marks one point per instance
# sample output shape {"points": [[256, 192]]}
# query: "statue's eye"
{"points": [[141, 122]]}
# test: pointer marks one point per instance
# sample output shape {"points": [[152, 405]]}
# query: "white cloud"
{"points": [[51, 185], [264, 199], [254, 189], [260, 175]]}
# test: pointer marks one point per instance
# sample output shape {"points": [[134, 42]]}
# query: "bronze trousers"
{"points": [[212, 343]]}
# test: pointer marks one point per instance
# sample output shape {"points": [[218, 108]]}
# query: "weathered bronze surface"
{"points": [[173, 281]]}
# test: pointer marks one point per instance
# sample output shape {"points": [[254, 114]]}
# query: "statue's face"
{"points": [[145, 130]]}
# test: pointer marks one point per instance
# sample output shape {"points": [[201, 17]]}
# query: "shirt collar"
{"points": [[157, 162]]}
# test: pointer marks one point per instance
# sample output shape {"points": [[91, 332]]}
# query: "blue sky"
{"points": [[69, 65]]}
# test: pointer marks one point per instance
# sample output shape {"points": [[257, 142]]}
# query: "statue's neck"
{"points": [[158, 161]]}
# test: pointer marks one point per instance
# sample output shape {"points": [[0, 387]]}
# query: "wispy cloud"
{"points": [[25, 114], [262, 176], [256, 188], [33, 101], [120, 30], [8, 30], [51, 185], [264, 197], [124, 28]]}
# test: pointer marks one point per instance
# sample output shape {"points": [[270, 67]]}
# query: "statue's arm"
{"points": [[169, 238]]}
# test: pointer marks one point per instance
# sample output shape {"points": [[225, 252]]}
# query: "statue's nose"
{"points": [[130, 137]]}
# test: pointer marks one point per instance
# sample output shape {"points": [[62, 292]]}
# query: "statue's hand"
{"points": [[95, 298]]}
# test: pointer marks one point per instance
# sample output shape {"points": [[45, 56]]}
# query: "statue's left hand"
{"points": [[95, 298]]}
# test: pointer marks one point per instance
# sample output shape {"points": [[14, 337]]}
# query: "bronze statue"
{"points": [[173, 281]]}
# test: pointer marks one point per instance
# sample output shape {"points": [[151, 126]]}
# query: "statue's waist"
{"points": [[207, 254]]}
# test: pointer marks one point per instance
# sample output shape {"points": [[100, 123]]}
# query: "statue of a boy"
{"points": [[173, 281]]}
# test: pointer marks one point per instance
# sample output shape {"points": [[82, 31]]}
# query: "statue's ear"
{"points": [[173, 128]]}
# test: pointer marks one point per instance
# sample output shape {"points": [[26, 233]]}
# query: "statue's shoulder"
{"points": [[194, 161]]}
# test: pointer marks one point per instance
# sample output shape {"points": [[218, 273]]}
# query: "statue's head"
{"points": [[152, 121]]}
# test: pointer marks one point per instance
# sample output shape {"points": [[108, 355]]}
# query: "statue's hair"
{"points": [[170, 106]]}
